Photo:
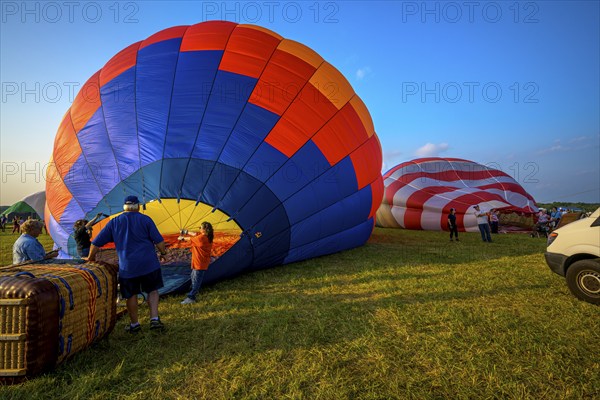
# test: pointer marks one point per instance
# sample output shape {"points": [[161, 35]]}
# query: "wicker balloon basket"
{"points": [[50, 311]]}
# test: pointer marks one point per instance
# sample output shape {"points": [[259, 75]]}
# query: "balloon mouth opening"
{"points": [[173, 216]]}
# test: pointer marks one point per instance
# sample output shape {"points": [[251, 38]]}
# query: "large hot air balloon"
{"points": [[418, 194], [227, 123]]}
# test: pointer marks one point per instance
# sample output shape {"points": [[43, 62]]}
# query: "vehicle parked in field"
{"points": [[574, 252]]}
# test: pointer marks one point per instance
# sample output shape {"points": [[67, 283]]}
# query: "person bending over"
{"points": [[135, 235]]}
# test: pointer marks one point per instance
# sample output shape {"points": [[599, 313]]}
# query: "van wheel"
{"points": [[583, 279]]}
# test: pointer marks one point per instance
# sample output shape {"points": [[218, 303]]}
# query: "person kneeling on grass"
{"points": [[201, 247]]}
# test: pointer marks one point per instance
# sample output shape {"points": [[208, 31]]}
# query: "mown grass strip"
{"points": [[410, 315]]}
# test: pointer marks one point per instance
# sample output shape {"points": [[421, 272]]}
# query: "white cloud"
{"points": [[553, 149], [390, 155], [579, 139], [431, 150], [390, 158], [384, 167], [585, 172], [362, 72]]}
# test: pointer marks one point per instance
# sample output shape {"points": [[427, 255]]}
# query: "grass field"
{"points": [[409, 315]]}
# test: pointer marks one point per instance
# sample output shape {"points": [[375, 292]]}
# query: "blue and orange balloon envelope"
{"points": [[227, 123]]}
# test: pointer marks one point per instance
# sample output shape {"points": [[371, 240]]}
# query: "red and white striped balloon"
{"points": [[420, 193]]}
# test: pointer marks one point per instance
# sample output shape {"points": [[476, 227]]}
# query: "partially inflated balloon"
{"points": [[226, 123], [420, 193]]}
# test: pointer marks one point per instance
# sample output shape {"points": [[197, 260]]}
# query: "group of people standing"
{"points": [[487, 221], [135, 237], [550, 217], [16, 223], [547, 221]]}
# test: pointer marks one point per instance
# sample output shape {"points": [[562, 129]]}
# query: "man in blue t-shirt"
{"points": [[555, 217], [135, 236]]}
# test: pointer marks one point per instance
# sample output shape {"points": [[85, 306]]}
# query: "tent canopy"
{"points": [[20, 207], [31, 204]]}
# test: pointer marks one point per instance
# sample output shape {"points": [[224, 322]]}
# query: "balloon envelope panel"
{"points": [[419, 194], [228, 123]]}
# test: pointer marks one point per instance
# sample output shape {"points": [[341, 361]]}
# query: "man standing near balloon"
{"points": [[452, 224], [135, 236], [482, 222]]}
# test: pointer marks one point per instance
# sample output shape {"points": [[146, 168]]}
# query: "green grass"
{"points": [[407, 316]]}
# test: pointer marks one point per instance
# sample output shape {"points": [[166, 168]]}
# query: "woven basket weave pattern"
{"points": [[49, 312]]}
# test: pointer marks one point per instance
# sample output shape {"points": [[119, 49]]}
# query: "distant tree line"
{"points": [[582, 206]]}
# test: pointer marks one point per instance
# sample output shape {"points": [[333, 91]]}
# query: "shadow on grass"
{"points": [[312, 304], [232, 321]]}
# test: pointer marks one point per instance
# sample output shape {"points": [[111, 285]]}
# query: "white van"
{"points": [[574, 252]]}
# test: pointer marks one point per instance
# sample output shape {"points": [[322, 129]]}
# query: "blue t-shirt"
{"points": [[134, 235], [27, 248]]}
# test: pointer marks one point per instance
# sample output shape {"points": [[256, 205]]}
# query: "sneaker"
{"points": [[157, 325], [187, 300], [133, 329]]}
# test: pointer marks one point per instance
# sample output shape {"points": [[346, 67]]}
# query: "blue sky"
{"points": [[514, 85]]}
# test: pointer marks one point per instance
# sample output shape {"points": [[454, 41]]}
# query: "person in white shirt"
{"points": [[482, 222]]}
